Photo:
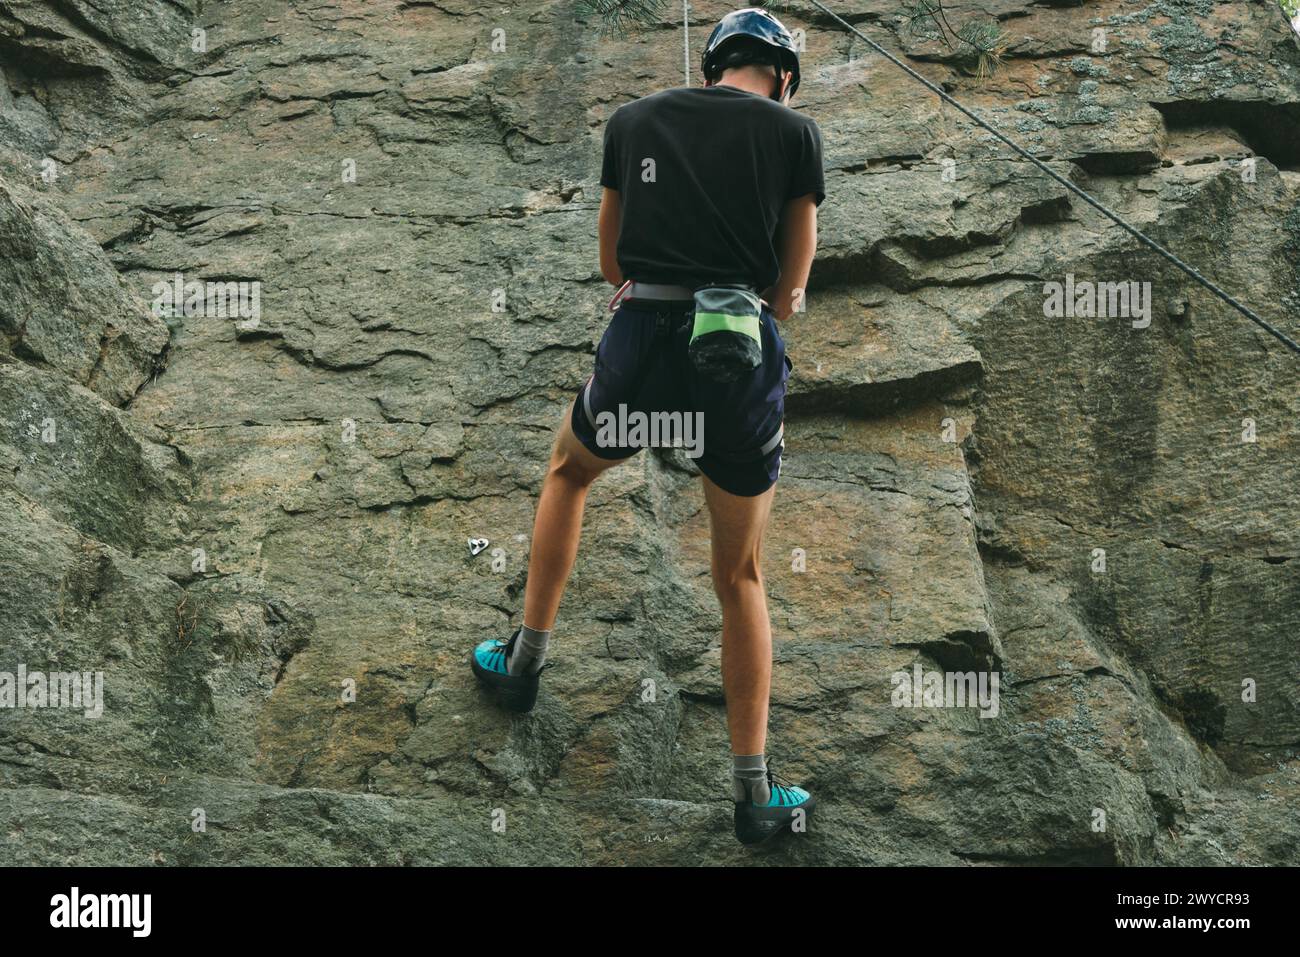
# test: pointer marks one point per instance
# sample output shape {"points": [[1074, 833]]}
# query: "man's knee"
{"points": [[734, 579], [572, 463]]}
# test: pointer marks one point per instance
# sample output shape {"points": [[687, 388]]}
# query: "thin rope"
{"points": [[686, 39], [1086, 197]]}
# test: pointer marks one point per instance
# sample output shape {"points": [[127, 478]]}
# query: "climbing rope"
{"points": [[1086, 197], [686, 39]]}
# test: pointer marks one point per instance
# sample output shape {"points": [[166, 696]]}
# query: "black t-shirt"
{"points": [[724, 163]]}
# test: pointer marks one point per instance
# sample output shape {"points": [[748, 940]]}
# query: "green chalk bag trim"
{"points": [[707, 322]]}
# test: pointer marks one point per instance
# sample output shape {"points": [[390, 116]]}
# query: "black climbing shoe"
{"points": [[787, 810], [514, 692]]}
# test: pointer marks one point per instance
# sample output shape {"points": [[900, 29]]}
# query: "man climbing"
{"points": [[708, 224]]}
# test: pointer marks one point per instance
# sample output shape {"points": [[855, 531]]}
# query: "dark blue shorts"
{"points": [[733, 431]]}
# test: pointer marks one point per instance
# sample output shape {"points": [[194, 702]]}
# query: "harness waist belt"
{"points": [[657, 290], [654, 291]]}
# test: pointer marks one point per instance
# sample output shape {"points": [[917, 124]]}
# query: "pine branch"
{"points": [[979, 43], [619, 16]]}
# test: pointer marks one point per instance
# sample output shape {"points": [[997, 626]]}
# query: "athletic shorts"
{"points": [[733, 431]]}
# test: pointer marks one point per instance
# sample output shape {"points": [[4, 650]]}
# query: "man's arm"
{"points": [[607, 227], [798, 238]]}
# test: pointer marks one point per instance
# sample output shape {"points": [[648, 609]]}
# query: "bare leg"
{"points": [[738, 523], [558, 524]]}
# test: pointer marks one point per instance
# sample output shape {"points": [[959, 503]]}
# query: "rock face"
{"points": [[256, 530]]}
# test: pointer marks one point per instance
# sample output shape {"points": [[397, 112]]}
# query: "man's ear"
{"points": [[786, 79]]}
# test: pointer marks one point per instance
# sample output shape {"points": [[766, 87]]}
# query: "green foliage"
{"points": [[1290, 7], [979, 44], [618, 16]]}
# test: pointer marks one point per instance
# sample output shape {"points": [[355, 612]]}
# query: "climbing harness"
{"points": [[1085, 196], [726, 342]]}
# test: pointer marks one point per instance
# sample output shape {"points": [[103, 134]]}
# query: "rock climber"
{"points": [[708, 226]]}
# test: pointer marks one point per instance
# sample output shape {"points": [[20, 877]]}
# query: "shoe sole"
{"points": [[750, 832], [516, 693]]}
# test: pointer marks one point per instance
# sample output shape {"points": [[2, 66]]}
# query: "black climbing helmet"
{"points": [[759, 25]]}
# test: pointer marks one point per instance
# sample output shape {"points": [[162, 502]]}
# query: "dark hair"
{"points": [[744, 51]]}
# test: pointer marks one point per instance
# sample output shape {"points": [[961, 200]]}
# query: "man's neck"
{"points": [[751, 80]]}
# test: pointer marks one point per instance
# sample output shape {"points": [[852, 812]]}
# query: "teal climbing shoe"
{"points": [[514, 692], [788, 809]]}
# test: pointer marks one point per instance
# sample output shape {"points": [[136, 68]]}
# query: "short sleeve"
{"points": [[610, 166], [808, 176]]}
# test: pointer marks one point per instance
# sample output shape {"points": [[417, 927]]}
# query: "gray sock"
{"points": [[529, 653], [749, 778]]}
